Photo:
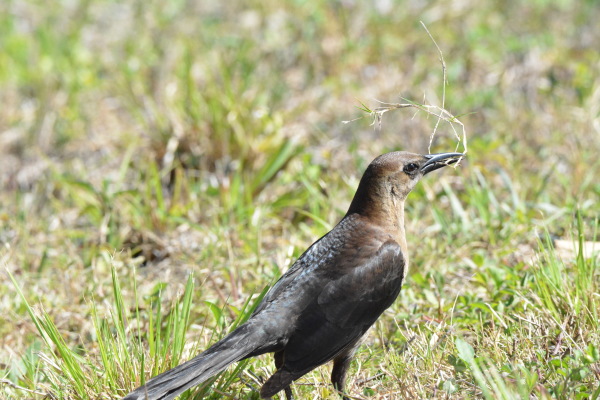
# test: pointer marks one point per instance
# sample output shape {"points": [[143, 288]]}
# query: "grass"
{"points": [[163, 163]]}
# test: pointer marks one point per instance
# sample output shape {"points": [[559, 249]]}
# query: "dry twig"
{"points": [[439, 112]]}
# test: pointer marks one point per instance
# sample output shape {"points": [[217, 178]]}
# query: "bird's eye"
{"points": [[410, 168]]}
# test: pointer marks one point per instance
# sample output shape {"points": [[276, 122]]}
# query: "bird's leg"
{"points": [[338, 374], [340, 368], [278, 364]]}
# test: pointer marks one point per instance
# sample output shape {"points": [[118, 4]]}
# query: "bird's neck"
{"points": [[394, 224], [383, 208]]}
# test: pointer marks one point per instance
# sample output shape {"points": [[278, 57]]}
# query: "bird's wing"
{"points": [[293, 281], [280, 286], [346, 307]]}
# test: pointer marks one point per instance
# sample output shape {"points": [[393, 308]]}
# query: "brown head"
{"points": [[390, 178]]}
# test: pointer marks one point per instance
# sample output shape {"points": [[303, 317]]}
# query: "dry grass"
{"points": [[161, 140]]}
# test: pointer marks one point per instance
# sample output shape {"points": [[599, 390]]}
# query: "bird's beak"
{"points": [[436, 161]]}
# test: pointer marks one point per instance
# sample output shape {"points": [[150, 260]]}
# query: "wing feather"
{"points": [[345, 308]]}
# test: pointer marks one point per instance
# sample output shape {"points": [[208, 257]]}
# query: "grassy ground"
{"points": [[162, 163]]}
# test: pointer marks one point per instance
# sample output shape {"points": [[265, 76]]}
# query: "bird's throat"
{"points": [[395, 219]]}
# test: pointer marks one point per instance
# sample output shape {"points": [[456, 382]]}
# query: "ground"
{"points": [[162, 163]]}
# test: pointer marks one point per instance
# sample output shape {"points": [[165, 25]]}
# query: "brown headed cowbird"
{"points": [[324, 304]]}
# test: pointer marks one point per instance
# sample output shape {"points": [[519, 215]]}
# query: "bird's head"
{"points": [[391, 176], [399, 171]]}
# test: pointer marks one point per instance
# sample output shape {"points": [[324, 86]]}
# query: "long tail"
{"points": [[242, 342]]}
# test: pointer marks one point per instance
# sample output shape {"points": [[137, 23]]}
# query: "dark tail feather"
{"points": [[234, 347]]}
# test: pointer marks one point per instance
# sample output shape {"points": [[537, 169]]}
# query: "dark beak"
{"points": [[437, 161]]}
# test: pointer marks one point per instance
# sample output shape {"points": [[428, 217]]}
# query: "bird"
{"points": [[320, 309]]}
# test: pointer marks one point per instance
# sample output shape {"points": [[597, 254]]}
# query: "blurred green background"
{"points": [[159, 138]]}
